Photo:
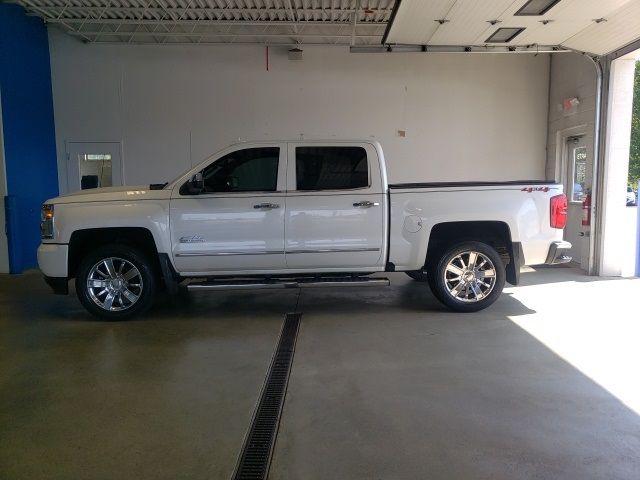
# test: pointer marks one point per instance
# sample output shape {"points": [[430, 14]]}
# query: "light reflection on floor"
{"points": [[593, 325]]}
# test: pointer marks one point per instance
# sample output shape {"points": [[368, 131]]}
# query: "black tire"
{"points": [[418, 275], [144, 277], [443, 290]]}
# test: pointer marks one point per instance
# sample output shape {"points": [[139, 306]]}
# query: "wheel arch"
{"points": [[497, 234], [83, 241]]}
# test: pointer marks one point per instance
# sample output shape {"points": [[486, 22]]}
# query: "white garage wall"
{"points": [[572, 76], [466, 117]]}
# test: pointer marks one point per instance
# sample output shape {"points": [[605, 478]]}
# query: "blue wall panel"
{"points": [[28, 129]]}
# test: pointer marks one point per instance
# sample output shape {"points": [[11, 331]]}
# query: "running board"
{"points": [[289, 283]]}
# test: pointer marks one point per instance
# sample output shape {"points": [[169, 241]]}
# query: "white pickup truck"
{"points": [[297, 214]]}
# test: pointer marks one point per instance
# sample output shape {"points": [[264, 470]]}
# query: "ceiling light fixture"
{"points": [[536, 7], [295, 54], [505, 35]]}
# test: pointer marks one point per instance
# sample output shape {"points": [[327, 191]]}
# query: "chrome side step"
{"points": [[322, 282]]}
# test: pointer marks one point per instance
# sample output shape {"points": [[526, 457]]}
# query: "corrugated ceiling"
{"points": [[595, 26], [273, 22]]}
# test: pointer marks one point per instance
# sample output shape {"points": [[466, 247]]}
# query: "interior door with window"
{"points": [[93, 165], [237, 222], [577, 185], [335, 207]]}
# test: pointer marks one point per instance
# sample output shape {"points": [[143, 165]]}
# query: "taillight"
{"points": [[559, 211]]}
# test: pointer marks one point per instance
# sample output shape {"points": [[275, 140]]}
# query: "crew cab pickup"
{"points": [[297, 214]]}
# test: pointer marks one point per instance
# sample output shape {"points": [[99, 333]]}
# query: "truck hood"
{"points": [[112, 194]]}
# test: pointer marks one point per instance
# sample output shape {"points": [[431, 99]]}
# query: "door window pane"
{"points": [[579, 174], [331, 168], [95, 170], [249, 170]]}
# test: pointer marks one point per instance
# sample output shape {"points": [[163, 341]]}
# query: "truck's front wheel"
{"points": [[115, 282], [467, 277]]}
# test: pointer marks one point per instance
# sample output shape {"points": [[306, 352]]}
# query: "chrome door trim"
{"points": [[217, 254], [334, 250]]}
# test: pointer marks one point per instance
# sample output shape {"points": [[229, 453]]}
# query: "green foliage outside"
{"points": [[634, 157]]}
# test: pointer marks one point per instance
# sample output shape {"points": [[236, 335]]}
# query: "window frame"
{"points": [[233, 156], [280, 182], [292, 173]]}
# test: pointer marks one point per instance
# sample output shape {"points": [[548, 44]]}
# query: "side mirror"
{"points": [[195, 185]]}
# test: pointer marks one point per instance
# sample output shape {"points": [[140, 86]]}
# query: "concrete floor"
{"points": [[385, 384]]}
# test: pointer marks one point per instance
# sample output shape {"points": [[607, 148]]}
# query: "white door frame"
{"points": [[561, 176], [562, 137], [346, 249], [93, 147]]}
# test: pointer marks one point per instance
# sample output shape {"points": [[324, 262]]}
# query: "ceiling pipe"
{"points": [[458, 49]]}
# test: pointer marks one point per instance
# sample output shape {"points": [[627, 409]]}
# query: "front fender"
{"points": [[150, 214]]}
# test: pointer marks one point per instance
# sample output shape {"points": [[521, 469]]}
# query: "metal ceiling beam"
{"points": [[197, 21], [46, 14], [274, 43], [75, 10], [355, 23], [292, 16], [214, 34], [221, 23]]}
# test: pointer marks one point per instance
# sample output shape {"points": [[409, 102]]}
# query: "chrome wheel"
{"points": [[114, 284], [469, 277]]}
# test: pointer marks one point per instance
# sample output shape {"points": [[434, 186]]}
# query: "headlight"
{"points": [[46, 221]]}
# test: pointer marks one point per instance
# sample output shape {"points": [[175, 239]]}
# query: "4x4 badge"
{"points": [[191, 239]]}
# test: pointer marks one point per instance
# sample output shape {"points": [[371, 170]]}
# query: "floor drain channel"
{"points": [[255, 457]]}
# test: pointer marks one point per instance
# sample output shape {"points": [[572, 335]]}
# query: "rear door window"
{"points": [[331, 168]]}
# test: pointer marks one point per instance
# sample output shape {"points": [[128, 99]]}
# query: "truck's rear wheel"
{"points": [[467, 277], [115, 282]]}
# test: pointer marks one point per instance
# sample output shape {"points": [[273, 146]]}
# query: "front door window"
{"points": [[248, 170]]}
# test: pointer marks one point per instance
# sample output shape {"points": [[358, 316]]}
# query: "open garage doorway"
{"points": [[632, 238], [631, 247]]}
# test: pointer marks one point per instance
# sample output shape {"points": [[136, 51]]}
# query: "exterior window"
{"points": [[249, 170], [579, 174], [331, 168]]}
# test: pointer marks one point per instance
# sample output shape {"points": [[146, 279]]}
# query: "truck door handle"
{"points": [[366, 204], [266, 206]]}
